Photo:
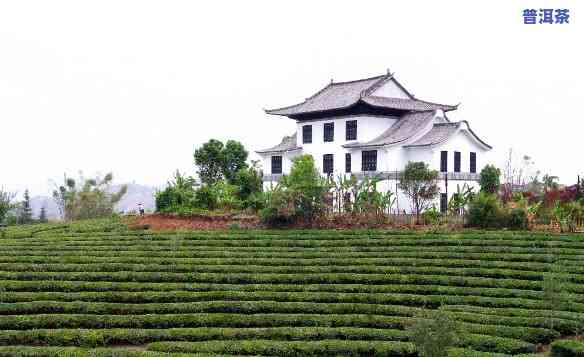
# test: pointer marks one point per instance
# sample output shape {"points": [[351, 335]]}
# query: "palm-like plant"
{"points": [[549, 182], [460, 199]]}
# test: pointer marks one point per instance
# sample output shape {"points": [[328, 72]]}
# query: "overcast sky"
{"points": [[134, 86]]}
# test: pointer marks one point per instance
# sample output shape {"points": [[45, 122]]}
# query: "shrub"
{"points": [[248, 182], [179, 193], [205, 198], [297, 196], [489, 179], [567, 348], [517, 218], [484, 211], [431, 216], [433, 333]]}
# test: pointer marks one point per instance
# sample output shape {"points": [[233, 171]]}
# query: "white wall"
{"points": [[390, 89], [368, 128]]}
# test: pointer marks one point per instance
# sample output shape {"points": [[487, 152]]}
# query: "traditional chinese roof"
{"points": [[405, 104], [288, 143], [405, 128], [342, 95], [441, 132]]}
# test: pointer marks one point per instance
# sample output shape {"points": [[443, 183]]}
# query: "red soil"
{"points": [[159, 222]]}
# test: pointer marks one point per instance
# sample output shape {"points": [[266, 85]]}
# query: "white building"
{"points": [[374, 126]]}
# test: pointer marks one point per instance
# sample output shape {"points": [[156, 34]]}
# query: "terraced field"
{"points": [[104, 290]]}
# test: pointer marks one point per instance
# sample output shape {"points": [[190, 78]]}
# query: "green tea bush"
{"points": [[567, 348]]}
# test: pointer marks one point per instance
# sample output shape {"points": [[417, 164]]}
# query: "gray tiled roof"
{"points": [[405, 104], [440, 132], [288, 143], [406, 127], [345, 94], [333, 96]]}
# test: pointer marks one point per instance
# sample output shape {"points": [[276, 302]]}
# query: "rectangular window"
{"points": [[276, 164], [327, 163], [369, 160], [443, 202], [456, 161], [473, 162], [307, 134], [329, 132], [347, 163], [443, 161], [351, 130]]}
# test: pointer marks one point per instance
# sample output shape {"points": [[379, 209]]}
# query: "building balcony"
{"points": [[393, 175]]}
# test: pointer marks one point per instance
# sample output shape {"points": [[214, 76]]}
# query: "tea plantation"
{"points": [[98, 289]]}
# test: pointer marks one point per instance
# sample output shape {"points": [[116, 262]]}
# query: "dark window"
{"points": [[307, 134], [456, 161], [347, 162], [276, 164], [443, 161], [327, 163], [443, 202], [369, 160], [473, 162], [329, 132], [351, 130]]}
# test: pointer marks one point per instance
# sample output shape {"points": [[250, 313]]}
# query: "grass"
{"points": [[97, 288]]}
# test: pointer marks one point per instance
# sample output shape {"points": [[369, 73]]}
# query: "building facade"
{"points": [[374, 127]]}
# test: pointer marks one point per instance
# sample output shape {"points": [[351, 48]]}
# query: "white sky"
{"points": [[133, 86]]}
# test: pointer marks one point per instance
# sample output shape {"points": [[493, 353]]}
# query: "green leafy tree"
{"points": [[6, 203], [234, 160], [25, 214], [420, 184], [248, 182], [489, 179], [217, 161], [89, 198], [433, 333], [298, 195], [307, 186], [209, 159]]}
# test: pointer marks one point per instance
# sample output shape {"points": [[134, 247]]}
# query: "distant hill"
{"points": [[136, 194]]}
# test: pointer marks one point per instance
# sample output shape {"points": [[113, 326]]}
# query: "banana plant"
{"points": [[460, 199]]}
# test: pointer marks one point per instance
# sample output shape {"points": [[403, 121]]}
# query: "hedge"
{"points": [[567, 348]]}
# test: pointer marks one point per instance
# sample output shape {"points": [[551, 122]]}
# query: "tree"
{"points": [[217, 161], [234, 159], [433, 333], [25, 214], [89, 199], [248, 181], [43, 215], [6, 203], [307, 187], [420, 184], [209, 159], [489, 179]]}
